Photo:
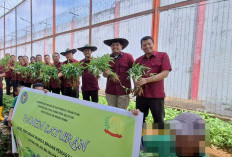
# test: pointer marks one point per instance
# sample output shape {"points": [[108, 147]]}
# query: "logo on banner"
{"points": [[24, 97], [114, 126]]}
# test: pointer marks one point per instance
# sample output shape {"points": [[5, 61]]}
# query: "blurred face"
{"points": [[21, 60], [25, 60], [47, 59], [13, 58], [32, 60], [39, 88], [87, 53], [116, 47], [188, 145], [148, 46], [56, 57], [69, 56], [39, 58], [18, 90]]}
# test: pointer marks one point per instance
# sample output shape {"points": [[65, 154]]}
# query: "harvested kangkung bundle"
{"points": [[20, 69], [35, 70], [47, 73], [137, 72], [4, 62], [101, 64], [72, 71]]}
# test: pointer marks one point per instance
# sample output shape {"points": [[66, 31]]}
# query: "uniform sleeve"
{"points": [[166, 65]]}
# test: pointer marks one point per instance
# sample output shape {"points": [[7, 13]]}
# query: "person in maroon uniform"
{"points": [[14, 80], [38, 58], [153, 87], [2, 74], [32, 59], [47, 61], [68, 82], [56, 84], [8, 76], [89, 81], [19, 76], [27, 81], [116, 95]]}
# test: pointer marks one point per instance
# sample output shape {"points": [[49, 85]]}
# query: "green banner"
{"points": [[55, 125]]}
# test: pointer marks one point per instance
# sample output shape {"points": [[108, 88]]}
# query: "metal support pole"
{"points": [[4, 32], [16, 35], [54, 27], [90, 21], [31, 29], [155, 23]]}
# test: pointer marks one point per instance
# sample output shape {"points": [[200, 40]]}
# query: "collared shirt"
{"points": [[1, 72], [56, 83], [89, 81], [157, 62], [68, 82], [121, 65]]}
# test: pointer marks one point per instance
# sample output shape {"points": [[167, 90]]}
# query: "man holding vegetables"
{"points": [[27, 82], [153, 87], [118, 89], [69, 90], [89, 81], [47, 61], [56, 85]]}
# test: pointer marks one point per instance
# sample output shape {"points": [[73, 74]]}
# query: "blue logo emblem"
{"points": [[24, 97]]}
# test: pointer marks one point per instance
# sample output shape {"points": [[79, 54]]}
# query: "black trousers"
{"points": [[93, 94], [156, 105], [1, 97], [69, 91], [14, 84], [8, 85], [56, 90]]}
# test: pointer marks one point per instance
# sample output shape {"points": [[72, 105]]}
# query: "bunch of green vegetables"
{"points": [[136, 72], [101, 64], [4, 62], [35, 70], [72, 71], [20, 69], [48, 72]]}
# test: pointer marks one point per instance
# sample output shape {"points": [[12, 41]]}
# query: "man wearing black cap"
{"points": [[67, 83], [89, 81], [116, 95]]}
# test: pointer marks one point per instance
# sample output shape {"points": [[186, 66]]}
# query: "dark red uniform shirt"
{"points": [[158, 62], [121, 65], [89, 81]]}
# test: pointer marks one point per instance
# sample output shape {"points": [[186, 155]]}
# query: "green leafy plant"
{"points": [[35, 69], [101, 64], [72, 71], [48, 72], [136, 72], [4, 62]]}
